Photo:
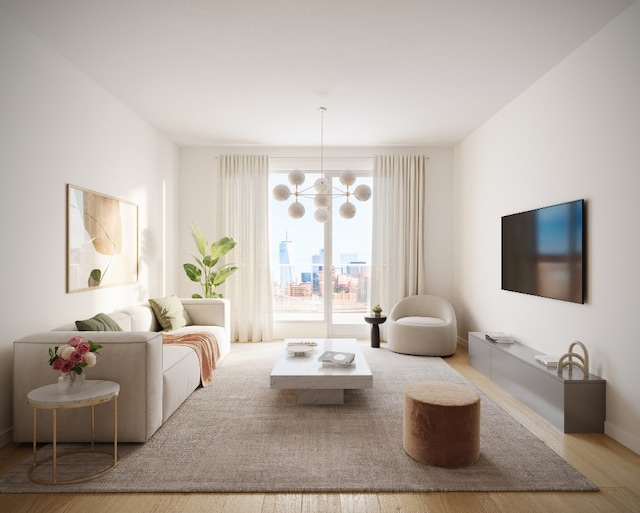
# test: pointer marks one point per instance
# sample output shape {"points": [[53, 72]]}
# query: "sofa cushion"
{"points": [[420, 321], [140, 318], [170, 313], [99, 322]]}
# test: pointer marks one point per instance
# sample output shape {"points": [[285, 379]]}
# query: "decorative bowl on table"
{"points": [[301, 348]]}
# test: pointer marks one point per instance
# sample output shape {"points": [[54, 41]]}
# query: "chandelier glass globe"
{"points": [[281, 192], [296, 210], [362, 192], [296, 177], [347, 177], [321, 215], [322, 185], [347, 210], [322, 200]]}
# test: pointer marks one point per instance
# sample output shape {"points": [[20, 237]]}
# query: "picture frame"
{"points": [[102, 240]]}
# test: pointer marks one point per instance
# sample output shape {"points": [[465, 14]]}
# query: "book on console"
{"points": [[549, 360], [337, 358], [499, 337]]}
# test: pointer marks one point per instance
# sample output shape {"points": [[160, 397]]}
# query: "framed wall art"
{"points": [[102, 240]]}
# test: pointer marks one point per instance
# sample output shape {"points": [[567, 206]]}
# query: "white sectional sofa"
{"points": [[155, 378]]}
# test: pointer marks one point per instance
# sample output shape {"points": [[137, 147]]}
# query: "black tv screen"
{"points": [[542, 252]]}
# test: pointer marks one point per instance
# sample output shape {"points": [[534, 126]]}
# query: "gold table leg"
{"points": [[115, 431], [35, 419], [55, 443]]}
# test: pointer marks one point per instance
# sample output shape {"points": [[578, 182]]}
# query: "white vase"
{"points": [[69, 383]]}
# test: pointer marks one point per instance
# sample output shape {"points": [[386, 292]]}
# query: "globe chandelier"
{"points": [[324, 191]]}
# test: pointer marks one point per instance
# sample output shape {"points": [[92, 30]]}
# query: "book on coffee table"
{"points": [[337, 358]]}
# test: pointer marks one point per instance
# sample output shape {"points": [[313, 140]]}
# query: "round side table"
{"points": [[375, 328], [93, 392]]}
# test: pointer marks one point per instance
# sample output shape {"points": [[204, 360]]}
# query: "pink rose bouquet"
{"points": [[74, 356]]}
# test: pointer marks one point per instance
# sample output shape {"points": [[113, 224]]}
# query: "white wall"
{"points": [[574, 134], [198, 168], [59, 127]]}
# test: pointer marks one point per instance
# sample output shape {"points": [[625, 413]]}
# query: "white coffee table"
{"points": [[315, 383]]}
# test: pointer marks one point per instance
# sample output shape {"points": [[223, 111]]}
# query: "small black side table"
{"points": [[375, 328]]}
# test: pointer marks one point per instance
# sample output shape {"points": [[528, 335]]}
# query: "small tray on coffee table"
{"points": [[300, 349]]}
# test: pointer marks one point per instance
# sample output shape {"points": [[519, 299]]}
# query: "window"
{"points": [[302, 251]]}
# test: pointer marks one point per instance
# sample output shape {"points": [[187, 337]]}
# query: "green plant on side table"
{"points": [[377, 310], [204, 272]]}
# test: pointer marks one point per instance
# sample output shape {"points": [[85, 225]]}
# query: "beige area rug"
{"points": [[241, 436]]}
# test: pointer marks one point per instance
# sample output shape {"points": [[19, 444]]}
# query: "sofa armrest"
{"points": [[131, 359], [209, 312]]}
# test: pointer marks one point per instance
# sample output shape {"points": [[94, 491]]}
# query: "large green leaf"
{"points": [[222, 246], [193, 272], [199, 239], [207, 261], [223, 274]]}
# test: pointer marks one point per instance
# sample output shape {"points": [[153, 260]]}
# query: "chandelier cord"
{"points": [[322, 111]]}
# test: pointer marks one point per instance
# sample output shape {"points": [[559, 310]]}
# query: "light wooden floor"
{"points": [[611, 466]]}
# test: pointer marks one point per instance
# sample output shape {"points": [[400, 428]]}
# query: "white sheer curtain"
{"points": [[243, 213], [398, 257]]}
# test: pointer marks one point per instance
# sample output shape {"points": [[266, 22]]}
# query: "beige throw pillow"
{"points": [[170, 313]]}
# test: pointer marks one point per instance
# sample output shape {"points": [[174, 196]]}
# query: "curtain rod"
{"points": [[317, 157], [361, 157], [329, 158]]}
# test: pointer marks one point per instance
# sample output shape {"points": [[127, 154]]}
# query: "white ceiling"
{"points": [[254, 72]]}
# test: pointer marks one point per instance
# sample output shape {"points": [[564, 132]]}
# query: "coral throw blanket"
{"points": [[206, 347]]}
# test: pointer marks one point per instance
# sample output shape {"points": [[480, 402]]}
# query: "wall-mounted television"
{"points": [[543, 252]]}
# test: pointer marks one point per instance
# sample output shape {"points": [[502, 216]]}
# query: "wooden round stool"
{"points": [[441, 424]]}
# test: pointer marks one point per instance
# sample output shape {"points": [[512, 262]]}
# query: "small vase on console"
{"points": [[70, 382]]}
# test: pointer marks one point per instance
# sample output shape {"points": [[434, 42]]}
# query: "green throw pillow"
{"points": [[170, 313], [99, 322]]}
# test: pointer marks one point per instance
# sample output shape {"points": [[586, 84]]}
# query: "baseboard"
{"points": [[463, 342], [6, 437], [622, 436]]}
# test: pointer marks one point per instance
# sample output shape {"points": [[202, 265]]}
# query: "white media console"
{"points": [[572, 402]]}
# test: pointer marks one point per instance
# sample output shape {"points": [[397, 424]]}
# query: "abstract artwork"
{"points": [[102, 240]]}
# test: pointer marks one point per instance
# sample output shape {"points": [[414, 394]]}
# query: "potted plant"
{"points": [[377, 310], [204, 272]]}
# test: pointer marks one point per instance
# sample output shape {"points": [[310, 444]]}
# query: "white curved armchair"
{"points": [[422, 325]]}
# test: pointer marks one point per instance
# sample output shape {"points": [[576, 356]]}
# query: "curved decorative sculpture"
{"points": [[567, 360]]}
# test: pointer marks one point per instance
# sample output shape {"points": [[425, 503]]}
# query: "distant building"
{"points": [[357, 269], [317, 262], [286, 263]]}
